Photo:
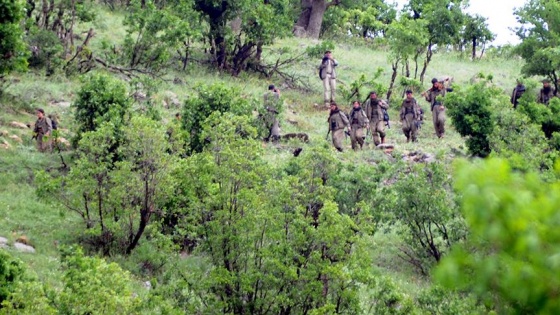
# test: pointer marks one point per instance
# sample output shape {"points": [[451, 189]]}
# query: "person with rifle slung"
{"points": [[518, 91], [410, 114], [546, 93], [337, 122], [358, 121], [43, 128], [373, 107], [433, 96]]}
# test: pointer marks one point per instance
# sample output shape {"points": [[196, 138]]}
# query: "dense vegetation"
{"points": [[167, 201]]}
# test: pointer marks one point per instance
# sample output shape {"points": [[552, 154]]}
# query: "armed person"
{"points": [[327, 74], [517, 93], [410, 115], [271, 110], [546, 93], [358, 121], [42, 129], [373, 107], [433, 96], [337, 122]]}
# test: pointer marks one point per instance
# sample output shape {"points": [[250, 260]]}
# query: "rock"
{"points": [[148, 285], [293, 122], [4, 133], [177, 81], [3, 241], [297, 151], [24, 248], [171, 99], [5, 145], [63, 104], [16, 138], [385, 146], [16, 124]]}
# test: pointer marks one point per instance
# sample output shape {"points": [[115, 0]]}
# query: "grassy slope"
{"points": [[22, 213]]}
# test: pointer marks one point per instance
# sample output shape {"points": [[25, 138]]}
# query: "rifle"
{"points": [[34, 136], [328, 133]]}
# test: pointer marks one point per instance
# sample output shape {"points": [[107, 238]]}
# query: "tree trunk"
{"points": [[394, 66], [303, 19], [473, 48], [429, 54], [318, 9]]}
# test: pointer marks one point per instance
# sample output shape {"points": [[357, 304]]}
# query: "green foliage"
{"points": [[13, 53], [521, 142], [546, 116], [209, 99], [153, 32], [476, 32], [47, 50], [116, 200], [471, 112], [11, 272], [101, 98], [422, 201], [388, 299], [540, 35], [93, 286], [513, 220], [318, 50], [439, 300], [355, 91]]}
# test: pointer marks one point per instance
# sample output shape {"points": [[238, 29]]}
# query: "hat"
{"points": [[434, 80], [408, 92], [271, 87], [40, 110]]}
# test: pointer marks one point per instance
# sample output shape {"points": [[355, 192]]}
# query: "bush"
{"points": [[470, 109], [46, 50], [214, 98], [11, 272], [318, 50]]}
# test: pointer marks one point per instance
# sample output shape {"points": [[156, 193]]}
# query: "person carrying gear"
{"points": [[410, 114], [517, 93], [43, 128], [546, 93], [358, 121], [271, 101], [373, 107], [327, 74], [433, 96], [337, 122]]}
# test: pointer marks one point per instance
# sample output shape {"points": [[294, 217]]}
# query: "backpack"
{"points": [[54, 124], [385, 114]]}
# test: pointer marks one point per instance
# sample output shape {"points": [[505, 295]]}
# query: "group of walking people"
{"points": [[371, 115]]}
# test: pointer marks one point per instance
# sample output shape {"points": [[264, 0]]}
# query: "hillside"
{"points": [[48, 226]]}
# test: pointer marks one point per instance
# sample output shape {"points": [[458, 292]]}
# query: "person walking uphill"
{"points": [[517, 93], [358, 121], [433, 96], [410, 114], [327, 73], [374, 111], [271, 111], [43, 128], [337, 122]]}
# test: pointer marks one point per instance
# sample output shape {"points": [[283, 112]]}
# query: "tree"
{"points": [[422, 201], [116, 199], [407, 39], [310, 17], [540, 38], [261, 22], [513, 220], [444, 20], [477, 33], [13, 52]]}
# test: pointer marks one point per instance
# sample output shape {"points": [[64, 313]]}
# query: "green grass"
{"points": [[22, 213]]}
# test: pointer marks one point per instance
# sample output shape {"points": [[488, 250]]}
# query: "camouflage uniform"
{"points": [[43, 127], [358, 121], [337, 121], [271, 100], [328, 75], [438, 111], [545, 95], [374, 112], [516, 94], [410, 114]]}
